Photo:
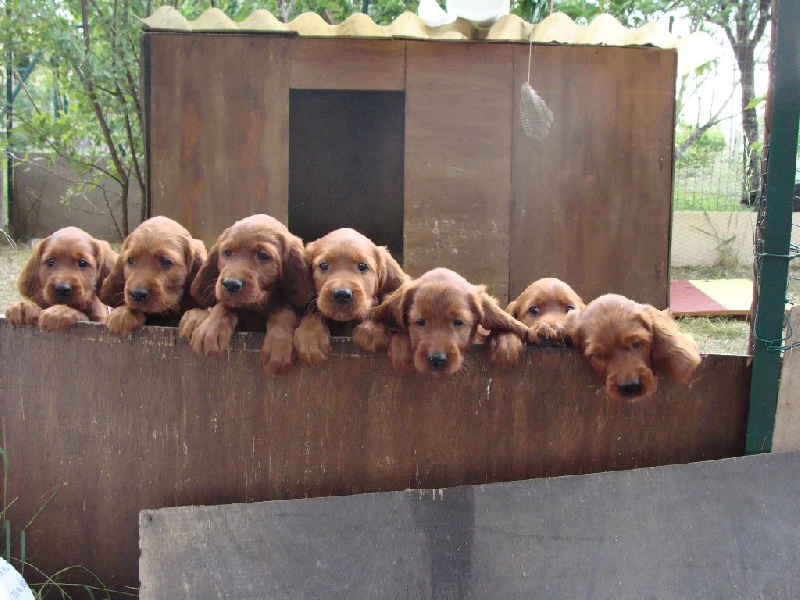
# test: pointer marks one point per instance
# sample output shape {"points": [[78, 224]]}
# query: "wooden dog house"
{"points": [[418, 144]]}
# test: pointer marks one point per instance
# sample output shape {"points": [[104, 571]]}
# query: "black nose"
{"points": [[62, 289], [139, 294], [342, 295], [437, 359], [630, 388], [232, 284]]}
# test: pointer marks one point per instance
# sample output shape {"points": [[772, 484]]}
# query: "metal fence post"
{"points": [[769, 320]]}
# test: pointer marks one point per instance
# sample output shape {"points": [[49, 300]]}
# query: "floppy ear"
{"points": [[673, 352], [573, 328], [390, 274], [204, 282], [105, 257], [112, 291], [494, 318], [195, 258], [513, 308], [29, 284], [297, 285], [394, 309]]}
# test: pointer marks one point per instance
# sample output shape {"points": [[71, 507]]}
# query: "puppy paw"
{"points": [[23, 313], [399, 352], [372, 336], [123, 320], [547, 332], [60, 318], [212, 336], [277, 354], [312, 340], [504, 349], [190, 320]]}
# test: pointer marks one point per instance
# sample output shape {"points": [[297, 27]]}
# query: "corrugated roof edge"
{"points": [[693, 50]]}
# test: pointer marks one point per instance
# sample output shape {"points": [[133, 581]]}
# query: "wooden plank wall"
{"points": [[118, 425], [592, 202], [218, 123]]}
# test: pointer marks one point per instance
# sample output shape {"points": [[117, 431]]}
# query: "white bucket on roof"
{"points": [[481, 12]]}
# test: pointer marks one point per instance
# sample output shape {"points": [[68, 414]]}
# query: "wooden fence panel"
{"points": [[117, 425]]}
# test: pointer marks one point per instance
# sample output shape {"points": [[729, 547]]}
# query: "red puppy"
{"points": [[351, 275], [626, 343], [61, 280], [150, 280], [255, 278], [440, 314], [543, 306]]}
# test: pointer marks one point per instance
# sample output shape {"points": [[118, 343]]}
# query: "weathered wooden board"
{"points": [[591, 204], [122, 424], [458, 160], [721, 529], [787, 417], [217, 109], [347, 64]]}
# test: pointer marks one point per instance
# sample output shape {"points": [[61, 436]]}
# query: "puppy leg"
{"points": [[98, 312], [372, 336], [214, 333], [400, 352], [60, 318], [505, 348], [312, 340], [123, 320], [547, 331], [190, 320], [23, 313], [277, 354]]}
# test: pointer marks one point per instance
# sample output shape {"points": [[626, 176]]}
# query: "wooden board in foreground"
{"points": [[118, 425], [722, 529]]}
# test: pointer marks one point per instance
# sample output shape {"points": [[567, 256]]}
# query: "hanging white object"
{"points": [[12, 585], [433, 15], [534, 114], [481, 12]]}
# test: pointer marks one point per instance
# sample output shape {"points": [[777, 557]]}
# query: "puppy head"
{"points": [[626, 343], [351, 274], [545, 301], [441, 313], [156, 265], [252, 260], [67, 268]]}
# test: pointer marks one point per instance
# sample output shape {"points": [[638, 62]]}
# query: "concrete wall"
{"points": [[46, 198], [702, 239]]}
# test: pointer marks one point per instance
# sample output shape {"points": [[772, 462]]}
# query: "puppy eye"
{"points": [[165, 262], [534, 310], [457, 322], [227, 252], [599, 357], [569, 307], [82, 264], [323, 266], [362, 266], [262, 256], [131, 261], [50, 261], [636, 345], [420, 322]]}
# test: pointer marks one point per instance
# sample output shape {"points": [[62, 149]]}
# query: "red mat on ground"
{"points": [[686, 299]]}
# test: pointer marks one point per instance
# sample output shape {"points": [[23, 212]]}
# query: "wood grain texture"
{"points": [[592, 203], [787, 417], [347, 64], [218, 123], [118, 425], [716, 529], [458, 160]]}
